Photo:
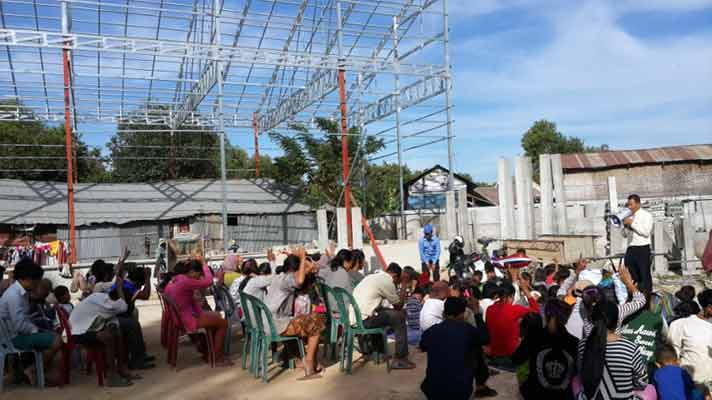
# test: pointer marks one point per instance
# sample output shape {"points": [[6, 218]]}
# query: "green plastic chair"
{"points": [[345, 302], [269, 335], [333, 321], [253, 334]]}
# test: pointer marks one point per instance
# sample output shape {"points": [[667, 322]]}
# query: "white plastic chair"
{"points": [[7, 333]]}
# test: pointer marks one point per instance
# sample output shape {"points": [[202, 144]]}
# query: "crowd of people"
{"points": [[566, 331], [105, 319], [566, 334]]}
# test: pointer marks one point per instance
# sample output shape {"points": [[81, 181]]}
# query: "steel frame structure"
{"points": [[240, 68]]}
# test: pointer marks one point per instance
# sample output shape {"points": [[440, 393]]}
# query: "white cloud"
{"points": [[594, 79]]}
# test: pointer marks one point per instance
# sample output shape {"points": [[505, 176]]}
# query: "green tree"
{"points": [[313, 161], [150, 152], [29, 147], [544, 138], [241, 165]]}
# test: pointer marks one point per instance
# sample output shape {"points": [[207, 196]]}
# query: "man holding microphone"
{"points": [[638, 228]]}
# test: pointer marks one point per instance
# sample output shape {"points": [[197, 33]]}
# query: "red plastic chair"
{"points": [[176, 330], [94, 354]]}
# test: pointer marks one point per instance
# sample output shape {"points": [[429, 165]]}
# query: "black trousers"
{"points": [[637, 259], [436, 272], [394, 319], [133, 336]]}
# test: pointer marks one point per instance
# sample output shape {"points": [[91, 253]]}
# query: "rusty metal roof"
{"points": [[626, 158]]}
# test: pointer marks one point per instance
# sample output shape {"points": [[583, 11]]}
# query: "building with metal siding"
{"points": [[110, 216]]}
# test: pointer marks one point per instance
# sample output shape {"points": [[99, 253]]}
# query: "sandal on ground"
{"points": [[310, 376], [118, 381], [485, 392], [402, 364]]}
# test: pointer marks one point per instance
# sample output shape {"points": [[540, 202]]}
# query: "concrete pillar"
{"points": [[660, 246], [322, 225], [557, 174], [690, 261], [546, 203], [612, 194], [357, 227], [506, 199], [618, 243], [463, 220], [341, 236], [520, 188], [450, 215], [529, 198]]}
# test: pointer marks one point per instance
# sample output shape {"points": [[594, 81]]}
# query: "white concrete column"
{"points": [[357, 228], [660, 246], [691, 262], [520, 193], [322, 225], [612, 194], [341, 237], [618, 243], [506, 199], [546, 203], [530, 227], [450, 215], [557, 174], [463, 220]]}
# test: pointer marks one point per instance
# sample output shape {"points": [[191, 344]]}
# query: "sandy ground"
{"points": [[196, 380]]}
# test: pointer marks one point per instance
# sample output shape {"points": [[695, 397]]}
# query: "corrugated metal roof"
{"points": [[613, 159], [34, 202]]}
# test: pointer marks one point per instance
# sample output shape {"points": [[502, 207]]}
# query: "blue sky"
{"points": [[632, 74]]}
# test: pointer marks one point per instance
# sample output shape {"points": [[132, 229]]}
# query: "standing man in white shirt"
{"points": [[638, 228]]}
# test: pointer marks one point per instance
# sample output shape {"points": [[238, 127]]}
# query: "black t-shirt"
{"points": [[451, 346], [552, 364]]}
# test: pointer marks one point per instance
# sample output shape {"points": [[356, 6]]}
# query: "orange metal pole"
{"points": [[70, 162], [257, 144], [345, 157]]}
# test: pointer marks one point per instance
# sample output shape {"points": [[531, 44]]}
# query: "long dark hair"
{"points": [[339, 258], [605, 318]]}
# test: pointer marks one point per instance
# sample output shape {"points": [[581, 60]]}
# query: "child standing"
{"points": [[671, 381]]}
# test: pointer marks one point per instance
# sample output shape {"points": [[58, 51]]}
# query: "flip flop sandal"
{"points": [[310, 377]]}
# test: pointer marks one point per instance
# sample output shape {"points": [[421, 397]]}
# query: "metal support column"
{"points": [[396, 94], [448, 95], [344, 132], [68, 137], [256, 131], [217, 58]]}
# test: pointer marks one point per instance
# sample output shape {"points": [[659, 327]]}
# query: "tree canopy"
{"points": [[32, 150], [544, 138]]}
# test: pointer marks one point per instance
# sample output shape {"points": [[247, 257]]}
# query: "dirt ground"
{"points": [[196, 380]]}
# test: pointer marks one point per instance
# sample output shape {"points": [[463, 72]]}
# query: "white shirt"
{"points": [[638, 233], [484, 305], [96, 305], [431, 313], [371, 291], [692, 338]]}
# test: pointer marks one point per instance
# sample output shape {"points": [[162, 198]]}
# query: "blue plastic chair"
{"points": [[269, 334], [224, 303], [7, 333], [346, 301]]}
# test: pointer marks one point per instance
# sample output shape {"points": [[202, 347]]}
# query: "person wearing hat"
{"points": [[429, 247], [452, 347]]}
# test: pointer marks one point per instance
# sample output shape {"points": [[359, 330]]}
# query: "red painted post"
{"points": [[345, 157], [70, 163]]}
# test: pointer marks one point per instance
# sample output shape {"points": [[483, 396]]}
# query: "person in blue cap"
{"points": [[429, 246]]}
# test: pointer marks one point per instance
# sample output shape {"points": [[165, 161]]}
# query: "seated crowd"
{"points": [[567, 332]]}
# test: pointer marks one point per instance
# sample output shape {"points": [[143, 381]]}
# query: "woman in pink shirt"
{"points": [[181, 290]]}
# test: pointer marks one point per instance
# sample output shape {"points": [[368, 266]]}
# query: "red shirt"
{"points": [[503, 326]]}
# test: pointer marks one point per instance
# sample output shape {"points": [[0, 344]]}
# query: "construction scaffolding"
{"points": [[240, 68]]}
